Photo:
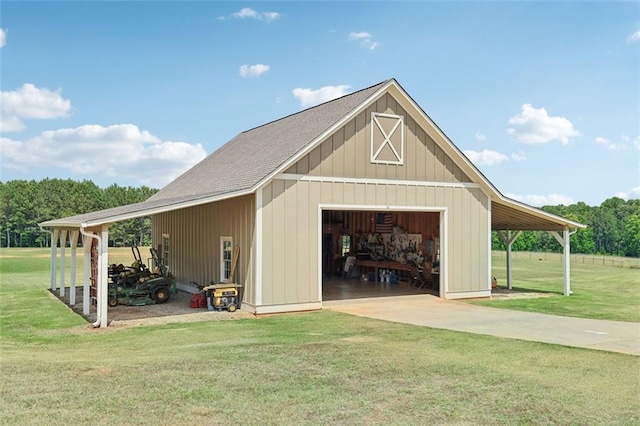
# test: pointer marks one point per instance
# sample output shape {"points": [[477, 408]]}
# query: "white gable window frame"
{"points": [[166, 249], [377, 150], [226, 256]]}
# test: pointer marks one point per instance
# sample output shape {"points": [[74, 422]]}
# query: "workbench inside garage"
{"points": [[402, 269]]}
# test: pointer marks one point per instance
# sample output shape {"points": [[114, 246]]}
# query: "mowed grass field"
{"points": [[309, 368], [599, 292]]}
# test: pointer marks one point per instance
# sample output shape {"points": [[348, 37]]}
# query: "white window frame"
{"points": [[226, 263], [166, 250], [375, 153]]}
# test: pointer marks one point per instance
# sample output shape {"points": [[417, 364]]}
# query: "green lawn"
{"points": [[311, 368], [600, 292]]}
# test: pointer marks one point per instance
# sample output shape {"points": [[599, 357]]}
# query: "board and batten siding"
{"points": [[290, 244], [194, 235], [347, 153]]}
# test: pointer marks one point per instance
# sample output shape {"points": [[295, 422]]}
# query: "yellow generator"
{"points": [[223, 296]]}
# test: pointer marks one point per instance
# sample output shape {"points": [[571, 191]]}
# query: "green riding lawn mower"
{"points": [[138, 285]]}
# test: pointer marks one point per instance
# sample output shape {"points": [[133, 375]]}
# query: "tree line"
{"points": [[613, 227], [25, 203]]}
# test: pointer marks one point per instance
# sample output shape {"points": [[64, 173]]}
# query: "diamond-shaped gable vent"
{"points": [[387, 138]]}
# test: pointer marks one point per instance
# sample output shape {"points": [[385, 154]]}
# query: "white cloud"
{"points": [[535, 126], [634, 37], [247, 12], [480, 137], [310, 97], [607, 143], [3, 37], [633, 194], [485, 157], [364, 38], [30, 101], [271, 16], [518, 156], [542, 200], [253, 70], [120, 150]]}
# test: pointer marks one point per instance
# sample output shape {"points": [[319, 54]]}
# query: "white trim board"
{"points": [[370, 181], [468, 295], [294, 307]]}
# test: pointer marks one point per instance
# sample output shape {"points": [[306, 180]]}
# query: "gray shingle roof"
{"points": [[254, 154], [240, 164]]}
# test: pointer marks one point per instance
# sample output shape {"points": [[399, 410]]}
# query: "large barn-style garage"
{"points": [[367, 177]]}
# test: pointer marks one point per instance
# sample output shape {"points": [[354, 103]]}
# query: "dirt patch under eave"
{"points": [[177, 309], [506, 294]]}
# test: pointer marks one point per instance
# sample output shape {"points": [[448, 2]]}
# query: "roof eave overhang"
{"points": [[552, 219], [143, 212]]}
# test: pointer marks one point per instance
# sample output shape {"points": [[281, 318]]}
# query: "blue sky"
{"points": [[542, 96]]}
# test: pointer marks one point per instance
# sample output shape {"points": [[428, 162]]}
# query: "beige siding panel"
{"points": [[267, 244], [349, 149], [411, 196], [347, 153], [314, 200], [194, 235], [477, 253], [291, 231], [467, 232], [411, 160], [401, 196], [278, 248], [303, 232], [465, 250], [338, 153], [381, 194], [361, 149]]}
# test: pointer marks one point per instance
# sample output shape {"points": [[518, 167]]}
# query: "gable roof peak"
{"points": [[325, 103]]}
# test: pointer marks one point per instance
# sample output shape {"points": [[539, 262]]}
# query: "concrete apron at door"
{"points": [[430, 311]]}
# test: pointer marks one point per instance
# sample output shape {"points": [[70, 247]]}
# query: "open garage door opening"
{"points": [[367, 253]]}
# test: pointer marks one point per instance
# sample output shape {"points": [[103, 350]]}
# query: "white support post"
{"points": [[86, 288], [63, 245], [508, 240], [566, 257], [103, 265], [73, 238], [54, 255]]}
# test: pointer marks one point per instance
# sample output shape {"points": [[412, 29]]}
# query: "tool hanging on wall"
{"points": [[234, 262]]}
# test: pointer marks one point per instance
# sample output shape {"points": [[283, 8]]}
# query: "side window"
{"points": [[165, 250], [226, 253]]}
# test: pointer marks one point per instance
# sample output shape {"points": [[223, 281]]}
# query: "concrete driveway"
{"points": [[430, 311]]}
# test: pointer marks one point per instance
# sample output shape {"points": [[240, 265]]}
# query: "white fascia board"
{"points": [[61, 225], [322, 137]]}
